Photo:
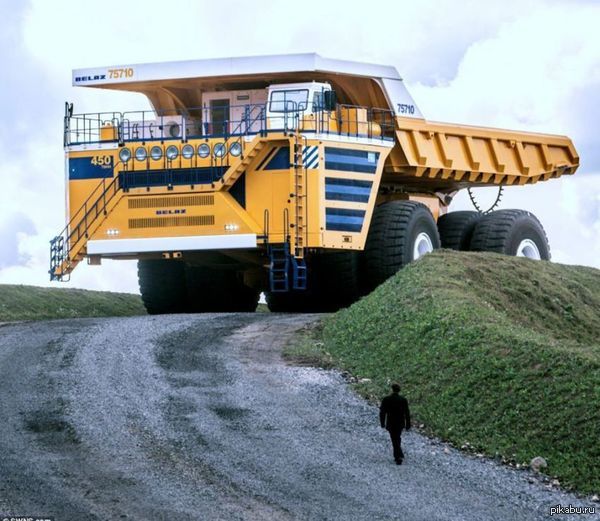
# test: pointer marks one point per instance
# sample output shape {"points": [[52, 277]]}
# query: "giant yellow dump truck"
{"points": [[310, 179]]}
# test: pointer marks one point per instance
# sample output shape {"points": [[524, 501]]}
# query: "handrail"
{"points": [[63, 245], [70, 229], [195, 122]]}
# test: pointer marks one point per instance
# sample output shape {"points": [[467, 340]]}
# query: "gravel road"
{"points": [[196, 417]]}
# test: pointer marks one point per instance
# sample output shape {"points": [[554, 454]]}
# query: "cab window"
{"points": [[318, 101], [288, 100]]}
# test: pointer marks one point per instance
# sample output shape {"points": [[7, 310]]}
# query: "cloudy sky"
{"points": [[526, 64]]}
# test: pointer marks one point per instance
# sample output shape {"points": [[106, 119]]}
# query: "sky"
{"points": [[525, 65]]}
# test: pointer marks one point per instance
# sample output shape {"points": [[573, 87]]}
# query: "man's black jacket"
{"points": [[394, 413]]}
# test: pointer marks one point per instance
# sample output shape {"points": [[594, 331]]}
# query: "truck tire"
{"points": [[332, 284], [212, 291], [400, 232], [336, 275], [162, 285], [456, 229], [511, 232]]}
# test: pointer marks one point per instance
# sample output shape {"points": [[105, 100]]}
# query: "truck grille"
{"points": [[165, 222], [171, 201]]}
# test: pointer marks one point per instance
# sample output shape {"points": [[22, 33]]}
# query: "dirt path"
{"points": [[197, 417]]}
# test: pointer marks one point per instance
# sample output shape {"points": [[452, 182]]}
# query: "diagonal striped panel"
{"points": [[310, 157]]}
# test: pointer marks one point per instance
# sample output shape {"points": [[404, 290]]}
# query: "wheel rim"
{"points": [[528, 248], [422, 246]]}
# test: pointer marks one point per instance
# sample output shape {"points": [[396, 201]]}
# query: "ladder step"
{"points": [[279, 268], [299, 274]]}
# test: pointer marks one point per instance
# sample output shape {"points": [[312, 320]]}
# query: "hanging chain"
{"points": [[491, 208]]}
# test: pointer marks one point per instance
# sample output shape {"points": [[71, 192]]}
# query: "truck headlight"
{"points": [[187, 151], [219, 150], [203, 150], [172, 153], [125, 155], [141, 154], [156, 153]]}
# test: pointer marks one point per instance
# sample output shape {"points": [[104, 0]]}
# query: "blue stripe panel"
{"points": [[351, 160], [82, 168], [344, 220], [280, 161], [347, 190]]}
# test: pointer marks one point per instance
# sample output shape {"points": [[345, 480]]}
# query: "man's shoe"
{"points": [[398, 462]]}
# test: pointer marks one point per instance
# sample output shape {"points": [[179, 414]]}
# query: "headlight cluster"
{"points": [[172, 153], [125, 155], [187, 152], [156, 153], [141, 154]]}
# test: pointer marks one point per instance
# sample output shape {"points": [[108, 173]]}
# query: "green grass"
{"points": [[499, 353], [35, 303]]}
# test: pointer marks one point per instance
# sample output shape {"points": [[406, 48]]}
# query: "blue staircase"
{"points": [[298, 273], [279, 269]]}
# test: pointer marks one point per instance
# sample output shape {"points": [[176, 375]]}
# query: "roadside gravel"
{"points": [[197, 417]]}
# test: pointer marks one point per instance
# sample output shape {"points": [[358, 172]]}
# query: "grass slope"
{"points": [[35, 303], [499, 353]]}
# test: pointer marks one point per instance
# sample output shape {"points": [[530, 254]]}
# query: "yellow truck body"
{"points": [[242, 156]]}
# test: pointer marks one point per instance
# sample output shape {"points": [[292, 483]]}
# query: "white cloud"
{"points": [[541, 73], [519, 64]]}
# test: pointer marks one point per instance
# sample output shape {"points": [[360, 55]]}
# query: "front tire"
{"points": [[213, 291], [172, 286], [400, 232], [511, 232], [162, 285]]}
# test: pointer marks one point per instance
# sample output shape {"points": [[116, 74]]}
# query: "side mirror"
{"points": [[329, 100]]}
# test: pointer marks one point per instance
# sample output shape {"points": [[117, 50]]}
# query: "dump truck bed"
{"points": [[444, 156]]}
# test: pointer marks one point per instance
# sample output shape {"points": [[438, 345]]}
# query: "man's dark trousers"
{"points": [[396, 434]]}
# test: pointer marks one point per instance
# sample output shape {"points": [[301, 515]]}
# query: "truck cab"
{"points": [[289, 102]]}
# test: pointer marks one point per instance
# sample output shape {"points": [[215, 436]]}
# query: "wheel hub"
{"points": [[423, 245], [528, 248]]}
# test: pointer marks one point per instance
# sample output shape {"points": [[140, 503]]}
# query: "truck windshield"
{"points": [[288, 100]]}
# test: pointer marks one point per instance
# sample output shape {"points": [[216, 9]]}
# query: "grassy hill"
{"points": [[497, 353], [35, 303]]}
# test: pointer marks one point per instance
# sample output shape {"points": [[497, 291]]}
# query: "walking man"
{"points": [[395, 416]]}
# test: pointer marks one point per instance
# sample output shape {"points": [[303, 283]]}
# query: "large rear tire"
{"points": [[162, 285], [400, 232], [332, 284], [456, 229], [511, 232]]}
